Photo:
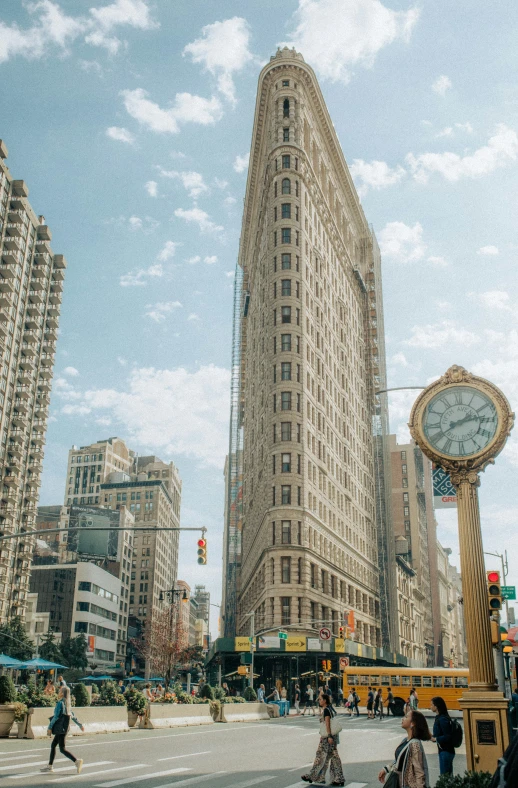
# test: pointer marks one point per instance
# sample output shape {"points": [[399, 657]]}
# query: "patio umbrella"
{"points": [[9, 662], [156, 679], [135, 678], [89, 678], [39, 664]]}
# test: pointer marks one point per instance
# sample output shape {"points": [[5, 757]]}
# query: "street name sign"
{"points": [[508, 592], [283, 635]]}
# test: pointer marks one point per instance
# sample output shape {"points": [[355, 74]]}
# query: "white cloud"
{"points": [[223, 50], [120, 134], [447, 132], [186, 109], [401, 243], [139, 278], [177, 154], [467, 127], [230, 274], [492, 299], [168, 251], [199, 217], [54, 29], [445, 333], [241, 162], [335, 36], [176, 412], [194, 260], [500, 151], [71, 372], [90, 65], [75, 410], [158, 312], [440, 262], [228, 201], [441, 85], [210, 260], [194, 317], [399, 359], [147, 224], [152, 188], [122, 361], [488, 250], [374, 174], [220, 183], [192, 181]]}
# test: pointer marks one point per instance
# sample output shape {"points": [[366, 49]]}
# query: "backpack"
{"points": [[456, 733]]}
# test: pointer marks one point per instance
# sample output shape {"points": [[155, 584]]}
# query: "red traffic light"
{"points": [[493, 577], [202, 543], [202, 551]]}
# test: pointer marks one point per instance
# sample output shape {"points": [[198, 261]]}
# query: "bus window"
{"points": [[395, 681], [374, 680], [385, 681], [448, 681], [365, 681], [352, 680], [427, 681], [406, 681], [437, 681], [416, 681], [461, 681]]}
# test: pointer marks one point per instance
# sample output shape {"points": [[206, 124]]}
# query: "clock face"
{"points": [[460, 421]]}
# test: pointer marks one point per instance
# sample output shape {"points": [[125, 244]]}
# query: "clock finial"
{"points": [[456, 374]]}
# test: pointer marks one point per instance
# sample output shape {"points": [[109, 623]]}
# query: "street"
{"points": [[235, 755]]}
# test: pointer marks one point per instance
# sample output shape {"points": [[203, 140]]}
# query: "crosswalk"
{"points": [[112, 774]]}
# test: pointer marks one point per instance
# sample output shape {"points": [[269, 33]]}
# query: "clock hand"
{"points": [[470, 417]]}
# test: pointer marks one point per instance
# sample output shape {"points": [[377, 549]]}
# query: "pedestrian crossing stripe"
{"points": [[117, 769], [191, 780], [63, 769], [141, 777]]}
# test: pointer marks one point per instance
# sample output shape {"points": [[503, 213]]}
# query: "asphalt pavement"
{"points": [[233, 755]]}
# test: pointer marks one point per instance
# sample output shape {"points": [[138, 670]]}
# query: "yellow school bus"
{"points": [[449, 683]]}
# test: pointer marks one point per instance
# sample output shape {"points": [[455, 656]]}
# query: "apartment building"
{"points": [[309, 367], [31, 286], [90, 466], [411, 603]]}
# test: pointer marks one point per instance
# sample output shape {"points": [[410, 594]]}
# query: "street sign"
{"points": [[508, 592], [283, 636], [325, 634], [344, 663]]}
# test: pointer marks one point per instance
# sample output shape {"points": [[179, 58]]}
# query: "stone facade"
{"points": [[410, 614], [309, 537], [31, 284]]}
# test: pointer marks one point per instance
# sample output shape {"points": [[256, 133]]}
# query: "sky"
{"points": [[131, 121]]}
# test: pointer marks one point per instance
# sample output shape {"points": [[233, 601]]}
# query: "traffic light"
{"points": [[326, 665], [202, 551], [494, 592], [342, 632]]}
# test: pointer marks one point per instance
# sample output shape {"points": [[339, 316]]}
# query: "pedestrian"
{"points": [[327, 753], [370, 704], [58, 726], [409, 760], [309, 700], [225, 688], [506, 774], [356, 703], [49, 688], [275, 695], [443, 735], [61, 682], [340, 699], [350, 703], [413, 700], [391, 706], [296, 699], [379, 697], [284, 701], [260, 693], [376, 702], [148, 694]]}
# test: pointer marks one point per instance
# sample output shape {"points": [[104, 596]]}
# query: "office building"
{"points": [[90, 466], [308, 358], [202, 597], [31, 286]]}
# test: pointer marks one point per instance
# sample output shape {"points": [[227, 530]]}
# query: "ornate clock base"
{"points": [[486, 729]]}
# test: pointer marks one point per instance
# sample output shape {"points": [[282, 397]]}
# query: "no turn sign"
{"points": [[344, 663], [325, 634]]}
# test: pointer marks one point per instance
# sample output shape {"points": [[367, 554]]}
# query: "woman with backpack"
{"points": [[59, 725], [409, 768], [443, 735], [327, 754]]}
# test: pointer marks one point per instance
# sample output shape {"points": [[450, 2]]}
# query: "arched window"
{"points": [[286, 108], [286, 186]]}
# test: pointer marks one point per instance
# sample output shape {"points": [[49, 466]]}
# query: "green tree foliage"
{"points": [[73, 651], [250, 694], [135, 701], [81, 695], [14, 640], [466, 780], [7, 690], [33, 696], [109, 695], [49, 649], [206, 691]]}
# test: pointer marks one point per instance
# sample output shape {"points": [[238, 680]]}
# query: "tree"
{"points": [[49, 649], [161, 642], [81, 695], [73, 651], [14, 640]]}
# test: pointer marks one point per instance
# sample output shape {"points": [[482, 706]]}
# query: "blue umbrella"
{"points": [[9, 662], [136, 678], [89, 678], [39, 664]]}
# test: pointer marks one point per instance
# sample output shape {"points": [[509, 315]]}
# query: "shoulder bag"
{"points": [[336, 727]]}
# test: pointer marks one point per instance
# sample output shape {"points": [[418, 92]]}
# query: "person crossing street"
{"points": [[59, 726]]}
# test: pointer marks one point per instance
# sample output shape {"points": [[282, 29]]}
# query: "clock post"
{"points": [[461, 422]]}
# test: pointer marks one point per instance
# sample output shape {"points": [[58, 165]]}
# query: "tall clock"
{"points": [[461, 421]]}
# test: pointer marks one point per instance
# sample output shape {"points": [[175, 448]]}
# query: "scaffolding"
{"points": [[234, 507]]}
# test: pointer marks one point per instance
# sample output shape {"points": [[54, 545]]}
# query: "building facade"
{"points": [[413, 518], [90, 466], [31, 285], [202, 597], [309, 369], [411, 603]]}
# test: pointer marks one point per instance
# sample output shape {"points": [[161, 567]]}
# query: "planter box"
{"points": [[172, 715], [6, 719], [244, 712], [96, 719]]}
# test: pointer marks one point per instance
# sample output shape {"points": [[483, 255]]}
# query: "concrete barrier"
{"points": [[244, 712], [172, 715], [96, 719]]}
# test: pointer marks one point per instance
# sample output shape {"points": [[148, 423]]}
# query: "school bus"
{"points": [[449, 683]]}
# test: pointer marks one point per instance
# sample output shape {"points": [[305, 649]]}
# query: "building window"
{"points": [[299, 570], [286, 287], [285, 400], [286, 314], [405, 482], [406, 511], [313, 577], [273, 533], [286, 610], [286, 463], [286, 261], [286, 235], [285, 83], [403, 455], [286, 494], [285, 110], [286, 342], [286, 162], [286, 210], [286, 430], [405, 497], [286, 531], [407, 525], [286, 185], [286, 369], [286, 569], [286, 135], [403, 468], [80, 626], [273, 496]]}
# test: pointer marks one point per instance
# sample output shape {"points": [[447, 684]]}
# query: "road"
{"points": [[234, 755]]}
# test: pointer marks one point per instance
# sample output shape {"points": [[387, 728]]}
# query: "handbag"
{"points": [[392, 780], [336, 727]]}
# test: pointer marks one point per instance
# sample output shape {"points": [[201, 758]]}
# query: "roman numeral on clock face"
{"points": [[458, 398], [485, 433], [447, 447]]}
